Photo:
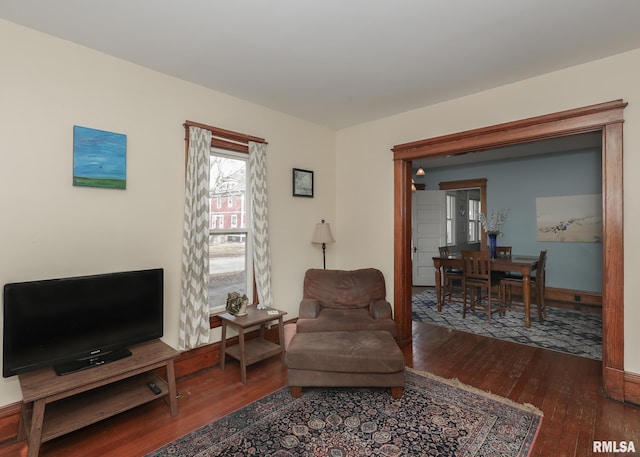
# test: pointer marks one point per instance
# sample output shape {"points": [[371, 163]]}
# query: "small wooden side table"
{"points": [[256, 349]]}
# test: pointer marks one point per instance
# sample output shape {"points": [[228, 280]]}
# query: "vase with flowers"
{"points": [[492, 225]]}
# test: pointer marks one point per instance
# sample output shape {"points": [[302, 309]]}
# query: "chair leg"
{"points": [[506, 298], [542, 309], [464, 300], [506, 291], [445, 291], [396, 392], [489, 304], [473, 298]]}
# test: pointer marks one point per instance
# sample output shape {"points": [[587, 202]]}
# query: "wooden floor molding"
{"points": [[577, 300], [9, 420], [632, 389]]}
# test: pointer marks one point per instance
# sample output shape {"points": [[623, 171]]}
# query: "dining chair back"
{"points": [[476, 278], [537, 284], [503, 251], [451, 277]]}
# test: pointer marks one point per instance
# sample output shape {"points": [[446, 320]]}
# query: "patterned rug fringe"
{"points": [[455, 382]]}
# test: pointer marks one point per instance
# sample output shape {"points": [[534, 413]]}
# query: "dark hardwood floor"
{"points": [[565, 387]]}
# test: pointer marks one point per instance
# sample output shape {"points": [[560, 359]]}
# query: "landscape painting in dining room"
{"points": [[570, 219]]}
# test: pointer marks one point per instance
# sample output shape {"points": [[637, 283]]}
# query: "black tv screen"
{"points": [[79, 322]]}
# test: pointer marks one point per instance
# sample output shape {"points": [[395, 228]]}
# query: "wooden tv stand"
{"points": [[55, 405]]}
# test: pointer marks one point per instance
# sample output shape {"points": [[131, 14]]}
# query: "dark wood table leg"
{"points": [[173, 394], [223, 345], [243, 356], [35, 434], [281, 336], [22, 424]]}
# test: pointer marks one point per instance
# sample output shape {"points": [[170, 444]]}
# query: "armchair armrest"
{"points": [[380, 309], [309, 308]]}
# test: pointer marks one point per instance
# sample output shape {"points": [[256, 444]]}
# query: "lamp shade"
{"points": [[322, 234]]}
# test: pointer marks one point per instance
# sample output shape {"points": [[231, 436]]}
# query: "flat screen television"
{"points": [[79, 322]]}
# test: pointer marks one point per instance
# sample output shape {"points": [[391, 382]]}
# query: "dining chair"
{"points": [[537, 284], [451, 276], [503, 251], [477, 276]]}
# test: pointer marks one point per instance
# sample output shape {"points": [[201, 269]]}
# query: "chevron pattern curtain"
{"points": [[194, 296], [261, 251]]}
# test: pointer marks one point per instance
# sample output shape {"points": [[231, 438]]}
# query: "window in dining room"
{"points": [[474, 220], [451, 212]]}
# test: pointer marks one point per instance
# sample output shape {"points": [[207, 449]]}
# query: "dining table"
{"points": [[523, 264]]}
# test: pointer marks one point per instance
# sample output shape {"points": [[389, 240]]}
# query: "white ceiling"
{"points": [[342, 62]]}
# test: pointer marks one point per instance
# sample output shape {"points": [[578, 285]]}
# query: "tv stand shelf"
{"points": [[56, 405]]}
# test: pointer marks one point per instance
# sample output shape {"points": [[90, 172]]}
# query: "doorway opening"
{"points": [[606, 118], [441, 218]]}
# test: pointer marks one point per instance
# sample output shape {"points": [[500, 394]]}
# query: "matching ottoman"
{"points": [[345, 359]]}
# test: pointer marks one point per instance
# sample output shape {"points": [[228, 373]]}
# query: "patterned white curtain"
{"points": [[194, 296], [261, 251]]}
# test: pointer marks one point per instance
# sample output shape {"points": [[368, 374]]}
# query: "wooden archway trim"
{"points": [[606, 118], [564, 123]]}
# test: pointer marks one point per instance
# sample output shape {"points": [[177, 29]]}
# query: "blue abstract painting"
{"points": [[99, 158]]}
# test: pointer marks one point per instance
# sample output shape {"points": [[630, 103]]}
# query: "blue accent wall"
{"points": [[515, 184]]}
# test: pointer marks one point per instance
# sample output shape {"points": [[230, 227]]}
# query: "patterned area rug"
{"points": [[563, 330], [433, 417]]}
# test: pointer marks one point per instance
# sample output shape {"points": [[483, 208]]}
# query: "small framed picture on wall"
{"points": [[302, 183]]}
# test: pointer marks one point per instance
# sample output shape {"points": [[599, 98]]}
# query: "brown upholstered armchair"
{"points": [[340, 300]]}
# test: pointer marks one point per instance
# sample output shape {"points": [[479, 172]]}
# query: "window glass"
{"points": [[229, 235], [451, 211], [474, 220]]}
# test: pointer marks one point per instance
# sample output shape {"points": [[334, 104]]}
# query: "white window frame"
{"points": [[247, 232], [217, 221]]}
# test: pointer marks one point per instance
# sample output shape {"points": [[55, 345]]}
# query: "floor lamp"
{"points": [[323, 236]]}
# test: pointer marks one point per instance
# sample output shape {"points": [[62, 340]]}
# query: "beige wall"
{"points": [[365, 169], [51, 229]]}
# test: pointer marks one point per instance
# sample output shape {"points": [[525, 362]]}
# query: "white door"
{"points": [[429, 232]]}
